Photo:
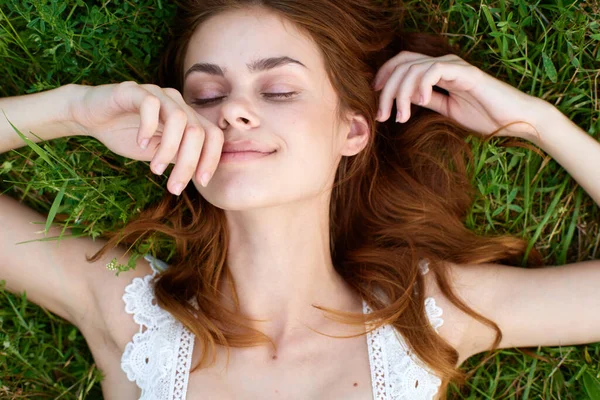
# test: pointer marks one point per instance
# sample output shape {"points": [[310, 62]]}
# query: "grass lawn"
{"points": [[550, 49]]}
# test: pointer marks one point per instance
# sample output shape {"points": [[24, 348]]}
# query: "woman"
{"points": [[306, 195]]}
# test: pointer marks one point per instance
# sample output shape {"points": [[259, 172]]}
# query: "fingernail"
{"points": [[421, 100], [204, 179], [178, 188], [144, 143], [160, 168], [379, 115], [398, 116]]}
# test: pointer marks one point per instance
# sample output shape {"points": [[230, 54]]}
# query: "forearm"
{"points": [[574, 149], [45, 113]]}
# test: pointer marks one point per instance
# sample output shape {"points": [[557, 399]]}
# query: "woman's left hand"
{"points": [[476, 100]]}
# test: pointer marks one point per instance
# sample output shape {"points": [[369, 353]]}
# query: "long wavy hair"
{"points": [[401, 199]]}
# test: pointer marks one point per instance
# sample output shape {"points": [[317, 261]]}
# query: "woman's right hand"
{"points": [[124, 115]]}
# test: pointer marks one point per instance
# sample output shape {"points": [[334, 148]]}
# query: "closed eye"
{"points": [[205, 102]]}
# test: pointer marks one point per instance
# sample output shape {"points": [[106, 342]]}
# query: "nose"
{"points": [[239, 114]]}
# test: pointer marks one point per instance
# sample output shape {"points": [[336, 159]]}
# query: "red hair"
{"points": [[401, 199]]}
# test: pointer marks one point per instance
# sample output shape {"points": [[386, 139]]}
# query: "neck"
{"points": [[281, 264]]}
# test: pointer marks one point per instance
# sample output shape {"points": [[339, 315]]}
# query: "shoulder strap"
{"points": [[156, 264], [424, 266], [396, 373], [158, 358], [433, 311]]}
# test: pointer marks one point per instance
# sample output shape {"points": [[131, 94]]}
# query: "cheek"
{"points": [[211, 114], [309, 131], [312, 148]]}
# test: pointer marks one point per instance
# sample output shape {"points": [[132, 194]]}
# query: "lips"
{"points": [[247, 151], [237, 156], [246, 146]]}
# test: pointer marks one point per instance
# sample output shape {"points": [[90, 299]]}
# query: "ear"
{"points": [[358, 135]]}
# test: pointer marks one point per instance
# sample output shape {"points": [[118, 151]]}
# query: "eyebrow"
{"points": [[262, 64]]}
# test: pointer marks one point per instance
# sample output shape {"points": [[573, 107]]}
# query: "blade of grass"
{"points": [[562, 258], [54, 207], [29, 143], [542, 225]]}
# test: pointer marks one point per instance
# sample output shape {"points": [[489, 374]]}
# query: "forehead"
{"points": [[233, 38]]}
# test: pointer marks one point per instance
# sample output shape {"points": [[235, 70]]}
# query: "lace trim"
{"points": [[377, 360], [434, 313], [183, 365], [159, 358], [396, 373]]}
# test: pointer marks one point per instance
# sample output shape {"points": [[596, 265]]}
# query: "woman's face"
{"points": [[301, 125]]}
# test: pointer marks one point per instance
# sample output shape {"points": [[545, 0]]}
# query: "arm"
{"points": [[575, 150], [54, 275], [51, 275], [484, 104], [542, 306], [57, 276], [45, 114], [552, 306]]}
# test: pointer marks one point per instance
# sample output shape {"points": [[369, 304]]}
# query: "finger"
{"points": [[390, 89], [408, 89], [143, 100], [211, 154], [446, 76], [443, 71], [128, 96], [390, 65], [149, 119], [175, 120], [209, 151], [187, 159], [131, 97], [452, 76]]}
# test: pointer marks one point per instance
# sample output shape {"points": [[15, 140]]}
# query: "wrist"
{"points": [[546, 117], [73, 94]]}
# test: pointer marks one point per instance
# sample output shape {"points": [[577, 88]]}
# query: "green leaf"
{"points": [[558, 380], [72, 335], [586, 355], [6, 167], [515, 207], [512, 194], [499, 210], [591, 385], [549, 68]]}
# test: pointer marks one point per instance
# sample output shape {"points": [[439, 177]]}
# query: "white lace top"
{"points": [[159, 356]]}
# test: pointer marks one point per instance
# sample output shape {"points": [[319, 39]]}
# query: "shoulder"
{"points": [[111, 324], [457, 324]]}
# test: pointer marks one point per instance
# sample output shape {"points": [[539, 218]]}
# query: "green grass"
{"points": [[548, 49]]}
